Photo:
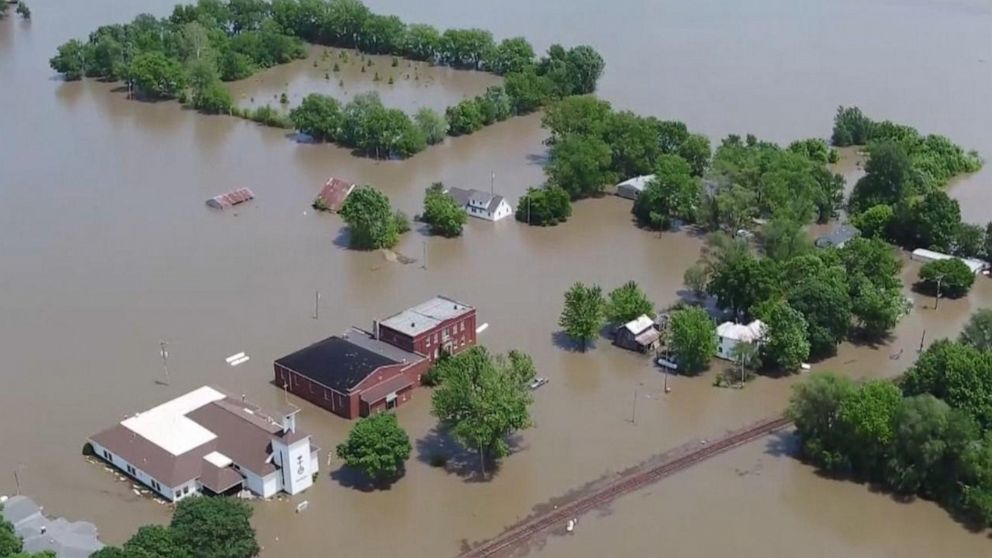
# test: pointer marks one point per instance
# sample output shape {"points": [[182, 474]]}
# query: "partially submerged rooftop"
{"points": [[190, 436], [426, 316], [67, 539], [341, 363]]}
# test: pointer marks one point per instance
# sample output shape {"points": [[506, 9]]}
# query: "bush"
{"points": [[544, 206], [950, 277], [214, 99], [270, 117]]}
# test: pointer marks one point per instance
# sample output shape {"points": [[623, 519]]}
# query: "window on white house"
{"points": [[107, 455], [178, 493]]}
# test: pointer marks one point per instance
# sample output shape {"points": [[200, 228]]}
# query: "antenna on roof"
{"points": [[492, 183], [285, 391]]}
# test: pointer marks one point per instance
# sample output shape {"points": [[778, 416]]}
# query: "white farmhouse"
{"points": [[730, 334], [209, 442], [926, 256], [491, 207], [633, 187]]}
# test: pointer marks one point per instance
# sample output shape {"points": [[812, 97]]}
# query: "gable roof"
{"points": [[748, 333], [476, 198], [234, 197], [335, 362], [334, 192], [638, 183], [639, 324]]}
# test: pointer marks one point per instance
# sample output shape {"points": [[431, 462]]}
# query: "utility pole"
{"points": [[492, 183], [17, 478], [633, 408], [424, 266], [165, 360], [316, 305], [922, 337], [936, 302]]}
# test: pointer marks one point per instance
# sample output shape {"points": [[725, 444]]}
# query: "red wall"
{"points": [[348, 405], [420, 345]]}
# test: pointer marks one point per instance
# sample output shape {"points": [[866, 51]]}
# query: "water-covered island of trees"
{"points": [[188, 54]]}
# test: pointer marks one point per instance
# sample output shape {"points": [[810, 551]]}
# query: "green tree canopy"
{"points": [[483, 400], [318, 116], [544, 206], [950, 277], [580, 165], [693, 339], [371, 219], [214, 528], [583, 314], [377, 446], [155, 541], [442, 213], [785, 345], [432, 125], [673, 193], [978, 331], [627, 302], [959, 374]]}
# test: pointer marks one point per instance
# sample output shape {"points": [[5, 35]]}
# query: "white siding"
{"points": [[253, 482], [144, 478], [271, 484]]}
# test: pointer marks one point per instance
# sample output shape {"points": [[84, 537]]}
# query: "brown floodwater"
{"points": [[106, 248]]}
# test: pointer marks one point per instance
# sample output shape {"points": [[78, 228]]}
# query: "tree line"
{"points": [[187, 56], [810, 300], [927, 434], [900, 197]]}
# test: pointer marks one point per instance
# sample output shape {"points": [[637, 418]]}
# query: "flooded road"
{"points": [[106, 248]]}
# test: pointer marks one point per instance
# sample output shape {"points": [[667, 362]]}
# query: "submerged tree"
{"points": [[371, 219], [583, 314], [442, 213], [377, 446], [483, 400], [627, 302], [693, 339]]}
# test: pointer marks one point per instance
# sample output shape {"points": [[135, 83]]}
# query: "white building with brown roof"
{"points": [[209, 442]]}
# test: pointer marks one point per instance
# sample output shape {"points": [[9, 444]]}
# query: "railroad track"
{"points": [[635, 479]]}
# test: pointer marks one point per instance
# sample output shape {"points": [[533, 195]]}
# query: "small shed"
{"points": [[333, 194], [631, 188], [228, 199], [640, 334], [838, 237]]}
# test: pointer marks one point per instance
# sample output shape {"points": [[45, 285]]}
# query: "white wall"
{"points": [[253, 482], [298, 466], [144, 478]]}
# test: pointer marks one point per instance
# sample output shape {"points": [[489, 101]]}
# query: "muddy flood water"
{"points": [[106, 248]]}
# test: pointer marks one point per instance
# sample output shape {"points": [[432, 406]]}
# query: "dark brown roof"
{"points": [[170, 470], [219, 479], [334, 192], [243, 433], [379, 391], [234, 197], [245, 442]]}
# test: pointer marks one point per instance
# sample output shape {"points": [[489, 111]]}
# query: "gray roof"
{"points": [[427, 315], [67, 539], [838, 236], [367, 341], [476, 198]]}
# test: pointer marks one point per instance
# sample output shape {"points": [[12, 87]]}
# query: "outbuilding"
{"points": [[926, 256], [333, 194], [632, 187], [640, 334]]}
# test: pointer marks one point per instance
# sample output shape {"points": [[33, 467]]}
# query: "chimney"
{"points": [[289, 422], [375, 329]]}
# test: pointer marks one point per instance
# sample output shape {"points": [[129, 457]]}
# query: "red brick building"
{"points": [[440, 324], [352, 375]]}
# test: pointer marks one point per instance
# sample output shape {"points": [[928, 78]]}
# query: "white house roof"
{"points": [[740, 332], [640, 324], [167, 427], [974, 265], [638, 182]]}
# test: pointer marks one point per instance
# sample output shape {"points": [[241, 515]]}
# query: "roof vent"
{"points": [[413, 324]]}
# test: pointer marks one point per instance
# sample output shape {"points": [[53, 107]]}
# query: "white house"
{"points": [[631, 188], [730, 334], [491, 207], [209, 442], [922, 255]]}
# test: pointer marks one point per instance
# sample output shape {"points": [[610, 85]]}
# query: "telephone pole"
{"points": [[316, 305], [165, 360]]}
